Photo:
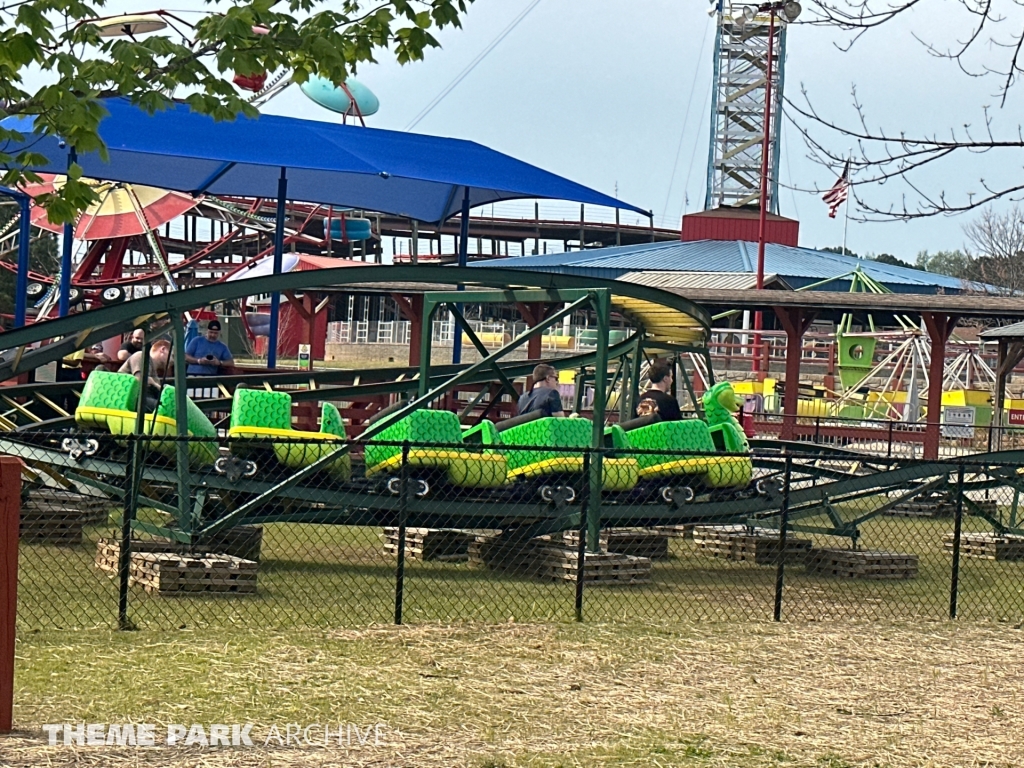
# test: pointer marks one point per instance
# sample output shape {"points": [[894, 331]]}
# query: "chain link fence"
{"points": [[281, 533]]}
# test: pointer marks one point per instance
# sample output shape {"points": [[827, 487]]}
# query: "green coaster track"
{"points": [[203, 500]]}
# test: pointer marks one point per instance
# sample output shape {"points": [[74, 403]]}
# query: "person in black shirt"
{"points": [[132, 345], [544, 396], [657, 399]]}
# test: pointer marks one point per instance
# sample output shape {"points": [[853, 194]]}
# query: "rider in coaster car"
{"points": [[657, 399], [544, 396]]}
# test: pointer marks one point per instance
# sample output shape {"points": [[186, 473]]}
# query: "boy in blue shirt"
{"points": [[207, 355]]}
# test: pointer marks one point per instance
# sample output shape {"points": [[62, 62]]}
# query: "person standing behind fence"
{"points": [[544, 396], [657, 399], [206, 355]]}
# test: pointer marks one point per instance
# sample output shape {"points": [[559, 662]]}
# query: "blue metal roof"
{"points": [[797, 266]]}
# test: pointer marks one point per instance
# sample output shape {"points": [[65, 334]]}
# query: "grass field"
{"points": [[492, 672], [819, 695], [333, 576]]}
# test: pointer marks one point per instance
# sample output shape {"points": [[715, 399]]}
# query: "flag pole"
{"points": [[846, 203]]}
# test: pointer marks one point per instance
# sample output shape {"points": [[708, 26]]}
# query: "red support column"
{"points": [[412, 310], [533, 314], [796, 323], [939, 328], [10, 515]]}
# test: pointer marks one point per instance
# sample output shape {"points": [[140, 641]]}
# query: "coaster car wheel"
{"points": [[234, 468], [677, 496], [79, 449], [768, 486], [419, 487], [559, 495]]}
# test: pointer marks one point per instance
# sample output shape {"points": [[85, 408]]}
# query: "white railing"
{"points": [[369, 332]]}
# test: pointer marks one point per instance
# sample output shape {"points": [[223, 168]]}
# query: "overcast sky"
{"points": [[609, 92], [616, 94]]}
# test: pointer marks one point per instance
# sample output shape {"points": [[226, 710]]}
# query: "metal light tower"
{"points": [[738, 108]]}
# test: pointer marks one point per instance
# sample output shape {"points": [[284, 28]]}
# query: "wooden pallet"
{"points": [[438, 544], [638, 542], [91, 509], [167, 573], [938, 505], [108, 551], [233, 542], [675, 531], [923, 508], [861, 564], [242, 541], [987, 546], [508, 553], [991, 506], [545, 558], [738, 543], [53, 526], [562, 563]]}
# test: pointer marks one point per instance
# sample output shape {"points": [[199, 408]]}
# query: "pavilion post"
{"points": [[538, 311], [997, 407], [939, 327], [1011, 351], [275, 297], [21, 284], [463, 259], [795, 322], [10, 516]]}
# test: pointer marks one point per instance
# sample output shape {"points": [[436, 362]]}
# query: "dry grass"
{"points": [[817, 695]]}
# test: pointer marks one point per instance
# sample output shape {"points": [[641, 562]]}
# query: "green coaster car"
{"points": [[539, 458], [682, 437], [109, 402], [258, 414], [460, 467], [720, 434]]}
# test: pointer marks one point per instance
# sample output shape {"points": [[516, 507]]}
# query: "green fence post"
{"points": [[181, 422], [780, 573], [954, 580], [133, 470], [602, 304], [581, 545], [403, 514]]}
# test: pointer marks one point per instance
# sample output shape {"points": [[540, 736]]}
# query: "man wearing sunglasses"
{"points": [[544, 396]]}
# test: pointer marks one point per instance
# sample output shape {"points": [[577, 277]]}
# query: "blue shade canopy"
{"points": [[407, 174]]}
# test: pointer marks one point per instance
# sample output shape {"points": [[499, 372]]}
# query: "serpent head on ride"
{"points": [[720, 403]]}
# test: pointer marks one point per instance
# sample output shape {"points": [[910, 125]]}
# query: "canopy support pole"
{"points": [[275, 297], [21, 284], [463, 258], [65, 257]]}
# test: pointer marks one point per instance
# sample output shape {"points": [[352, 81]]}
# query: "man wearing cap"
{"points": [[206, 355]]}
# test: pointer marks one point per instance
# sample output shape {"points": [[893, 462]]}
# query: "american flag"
{"points": [[839, 192]]}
